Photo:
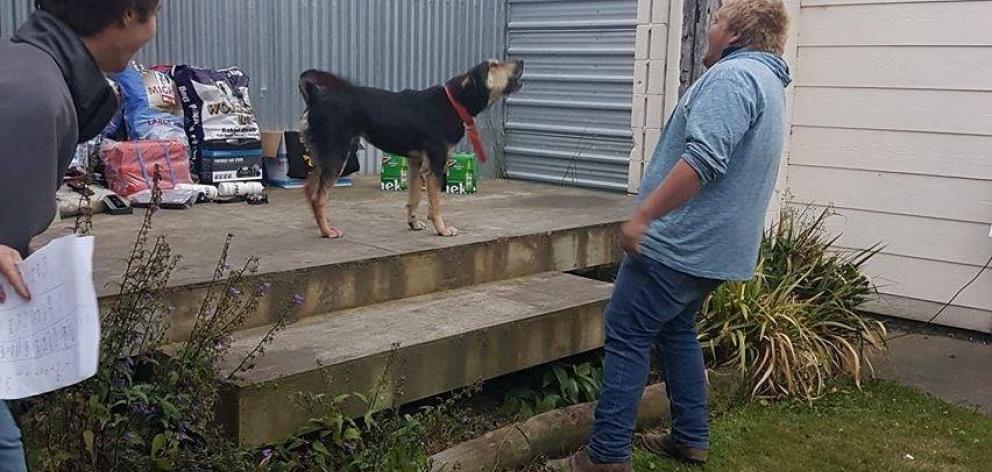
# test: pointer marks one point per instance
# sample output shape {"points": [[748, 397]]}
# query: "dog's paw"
{"points": [[332, 233], [416, 225], [449, 232]]}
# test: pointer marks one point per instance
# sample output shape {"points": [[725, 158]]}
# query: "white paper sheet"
{"points": [[52, 341]]}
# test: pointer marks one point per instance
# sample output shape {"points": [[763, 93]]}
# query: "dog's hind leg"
{"points": [[438, 164], [316, 189]]}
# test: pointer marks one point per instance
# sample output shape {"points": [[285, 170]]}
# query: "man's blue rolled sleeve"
{"points": [[718, 116]]}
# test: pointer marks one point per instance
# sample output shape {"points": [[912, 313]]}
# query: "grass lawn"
{"points": [[884, 428]]}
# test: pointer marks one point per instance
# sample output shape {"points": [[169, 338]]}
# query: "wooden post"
{"points": [[697, 15]]}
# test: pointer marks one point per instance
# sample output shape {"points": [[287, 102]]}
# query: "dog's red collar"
{"points": [[469, 122]]}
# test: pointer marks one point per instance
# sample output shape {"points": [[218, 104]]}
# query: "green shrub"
{"points": [[795, 326], [143, 410]]}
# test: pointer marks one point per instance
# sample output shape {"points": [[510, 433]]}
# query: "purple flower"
{"points": [[143, 409], [263, 288], [298, 300], [235, 292], [267, 454]]}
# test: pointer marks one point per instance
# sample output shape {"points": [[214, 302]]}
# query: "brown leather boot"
{"points": [[580, 462], [666, 445]]}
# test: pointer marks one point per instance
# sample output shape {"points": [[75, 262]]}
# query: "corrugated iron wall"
{"points": [[391, 44], [571, 122], [13, 13]]}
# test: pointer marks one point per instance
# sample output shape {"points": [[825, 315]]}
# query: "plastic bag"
{"points": [[131, 166]]}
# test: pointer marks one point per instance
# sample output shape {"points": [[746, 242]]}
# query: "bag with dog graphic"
{"points": [[217, 106]]}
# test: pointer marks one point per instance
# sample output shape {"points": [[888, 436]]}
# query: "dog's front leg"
{"points": [[316, 193], [434, 198], [414, 182]]}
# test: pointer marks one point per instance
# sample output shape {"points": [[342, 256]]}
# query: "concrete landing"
{"points": [[421, 347], [956, 370], [510, 229]]}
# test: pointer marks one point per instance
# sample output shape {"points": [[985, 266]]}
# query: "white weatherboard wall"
{"points": [[656, 79], [892, 125]]}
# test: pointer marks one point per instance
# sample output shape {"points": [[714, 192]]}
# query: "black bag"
{"points": [[300, 162]]}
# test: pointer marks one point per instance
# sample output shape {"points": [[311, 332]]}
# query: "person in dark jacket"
{"points": [[54, 95]]}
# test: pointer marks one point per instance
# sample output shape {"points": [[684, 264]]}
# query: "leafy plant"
{"points": [[796, 325], [145, 410], [561, 385], [382, 440]]}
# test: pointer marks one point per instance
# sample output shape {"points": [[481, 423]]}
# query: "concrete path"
{"points": [[957, 369]]}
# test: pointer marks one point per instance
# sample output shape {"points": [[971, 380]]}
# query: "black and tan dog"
{"points": [[423, 125]]}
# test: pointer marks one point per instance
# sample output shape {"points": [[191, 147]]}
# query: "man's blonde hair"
{"points": [[762, 25]]}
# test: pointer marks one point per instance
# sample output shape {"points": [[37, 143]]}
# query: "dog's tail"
{"points": [[314, 81]]}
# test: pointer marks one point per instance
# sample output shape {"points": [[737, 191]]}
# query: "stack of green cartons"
{"points": [[393, 176], [462, 174]]}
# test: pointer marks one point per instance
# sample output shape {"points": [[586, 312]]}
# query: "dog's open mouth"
{"points": [[515, 82]]}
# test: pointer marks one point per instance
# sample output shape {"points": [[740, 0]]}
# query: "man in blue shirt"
{"points": [[705, 195]]}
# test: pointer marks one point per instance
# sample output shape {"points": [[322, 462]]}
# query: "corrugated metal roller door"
{"points": [[391, 44], [571, 123]]}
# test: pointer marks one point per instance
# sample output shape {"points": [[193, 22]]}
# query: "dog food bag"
{"points": [[151, 105], [130, 166], [217, 106]]}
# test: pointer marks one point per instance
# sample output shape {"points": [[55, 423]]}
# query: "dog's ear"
{"points": [[311, 83], [309, 90]]}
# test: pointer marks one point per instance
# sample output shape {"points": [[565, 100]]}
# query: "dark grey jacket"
{"points": [[52, 97]]}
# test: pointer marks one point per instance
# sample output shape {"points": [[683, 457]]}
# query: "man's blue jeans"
{"points": [[11, 447], [651, 305]]}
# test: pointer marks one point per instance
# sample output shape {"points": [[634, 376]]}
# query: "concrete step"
{"points": [[416, 348], [512, 229]]}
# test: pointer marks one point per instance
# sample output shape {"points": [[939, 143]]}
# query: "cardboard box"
{"points": [[277, 162], [462, 174], [271, 141], [231, 165], [393, 176]]}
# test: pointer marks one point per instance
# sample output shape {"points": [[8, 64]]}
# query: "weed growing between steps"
{"points": [[147, 411], [556, 386], [391, 439]]}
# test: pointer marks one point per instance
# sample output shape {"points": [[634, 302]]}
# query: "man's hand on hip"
{"points": [[681, 185], [10, 261], [631, 233]]}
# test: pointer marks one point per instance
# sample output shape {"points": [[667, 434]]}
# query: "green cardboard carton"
{"points": [[393, 176], [463, 174]]}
